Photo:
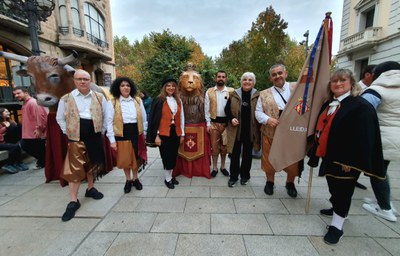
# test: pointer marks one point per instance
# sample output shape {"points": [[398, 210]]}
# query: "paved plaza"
{"points": [[198, 217]]}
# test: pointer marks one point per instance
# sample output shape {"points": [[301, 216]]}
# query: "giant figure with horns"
{"points": [[53, 78]]}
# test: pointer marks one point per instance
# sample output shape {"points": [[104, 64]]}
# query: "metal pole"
{"points": [[32, 25]]}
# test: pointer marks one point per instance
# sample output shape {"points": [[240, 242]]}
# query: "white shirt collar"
{"points": [[283, 87], [342, 97], [76, 92], [223, 90], [121, 98]]}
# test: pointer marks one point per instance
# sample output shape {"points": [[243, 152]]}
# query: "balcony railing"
{"points": [[15, 15], [78, 32], [97, 41], [366, 37], [63, 30]]}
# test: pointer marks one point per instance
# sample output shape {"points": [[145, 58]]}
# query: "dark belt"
{"points": [[220, 119]]}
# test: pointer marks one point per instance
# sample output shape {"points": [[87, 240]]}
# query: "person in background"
{"points": [[365, 82], [384, 95], [366, 77], [270, 105], [147, 100], [347, 133], [130, 126], [214, 108], [34, 121], [14, 163], [82, 115], [166, 127], [243, 129]]}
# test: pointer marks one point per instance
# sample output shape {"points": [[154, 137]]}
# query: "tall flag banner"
{"points": [[299, 117]]}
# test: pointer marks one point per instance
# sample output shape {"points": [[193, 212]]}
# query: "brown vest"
{"points": [[118, 120], [212, 95], [271, 109], [72, 115]]}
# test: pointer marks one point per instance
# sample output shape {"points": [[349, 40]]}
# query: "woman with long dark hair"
{"points": [[130, 124]]}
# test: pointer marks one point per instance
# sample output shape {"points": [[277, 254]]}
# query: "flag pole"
{"points": [[309, 190]]}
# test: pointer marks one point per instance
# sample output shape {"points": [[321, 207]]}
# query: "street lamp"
{"points": [[305, 42], [34, 11]]}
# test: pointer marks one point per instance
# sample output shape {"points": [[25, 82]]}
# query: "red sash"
{"points": [[322, 132]]}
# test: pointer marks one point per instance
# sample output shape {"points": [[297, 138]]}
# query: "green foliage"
{"points": [[265, 44], [171, 52]]}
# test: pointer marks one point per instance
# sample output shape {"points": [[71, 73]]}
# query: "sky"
{"points": [[214, 24]]}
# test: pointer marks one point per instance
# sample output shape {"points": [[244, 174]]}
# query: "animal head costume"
{"points": [[192, 95]]}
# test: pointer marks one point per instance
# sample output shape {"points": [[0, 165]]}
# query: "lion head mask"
{"points": [[190, 82]]}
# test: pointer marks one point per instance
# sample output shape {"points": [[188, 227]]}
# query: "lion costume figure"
{"points": [[194, 153]]}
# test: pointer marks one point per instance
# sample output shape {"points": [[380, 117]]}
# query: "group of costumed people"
{"points": [[191, 128]]}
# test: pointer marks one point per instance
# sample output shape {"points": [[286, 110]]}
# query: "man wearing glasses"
{"points": [[82, 116]]}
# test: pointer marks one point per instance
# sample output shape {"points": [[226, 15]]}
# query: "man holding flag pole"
{"points": [[269, 107], [298, 120]]}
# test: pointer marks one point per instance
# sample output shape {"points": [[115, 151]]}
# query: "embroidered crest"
{"points": [[299, 107]]}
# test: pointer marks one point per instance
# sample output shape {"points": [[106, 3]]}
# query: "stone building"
{"points": [[370, 33], [81, 25]]}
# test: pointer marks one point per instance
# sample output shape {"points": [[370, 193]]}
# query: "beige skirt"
{"points": [[126, 157]]}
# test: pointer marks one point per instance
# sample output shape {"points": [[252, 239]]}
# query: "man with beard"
{"points": [[34, 120], [214, 105], [270, 105]]}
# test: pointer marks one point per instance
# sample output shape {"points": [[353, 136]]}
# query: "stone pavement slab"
{"points": [[181, 223], [199, 244], [209, 205], [278, 245], [239, 224], [143, 244]]}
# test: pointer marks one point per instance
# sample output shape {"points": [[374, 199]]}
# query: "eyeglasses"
{"points": [[82, 79]]}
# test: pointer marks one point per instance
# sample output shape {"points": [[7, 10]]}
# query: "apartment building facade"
{"points": [[80, 25], [370, 33]]}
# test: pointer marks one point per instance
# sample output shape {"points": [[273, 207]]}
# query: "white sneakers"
{"points": [[385, 214], [369, 200]]}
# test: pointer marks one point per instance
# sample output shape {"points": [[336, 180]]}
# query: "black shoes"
{"points": [[333, 236], [244, 181], [128, 186], [225, 172], [174, 181], [327, 212], [132, 183], [169, 184], [269, 188], [93, 193], [232, 183], [136, 183], [69, 213], [291, 189], [214, 173]]}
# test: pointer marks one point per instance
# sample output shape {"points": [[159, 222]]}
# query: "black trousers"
{"points": [[243, 169], [35, 148], [14, 152], [341, 191], [381, 189], [169, 149]]}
